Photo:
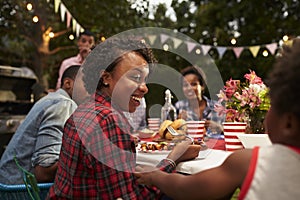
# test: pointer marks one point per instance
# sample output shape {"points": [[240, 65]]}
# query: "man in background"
{"points": [[85, 43]]}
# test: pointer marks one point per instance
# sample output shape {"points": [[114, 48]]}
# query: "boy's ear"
{"points": [[68, 83]]}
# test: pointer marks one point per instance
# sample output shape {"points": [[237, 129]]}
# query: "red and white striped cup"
{"points": [[153, 124], [231, 130], [195, 129]]}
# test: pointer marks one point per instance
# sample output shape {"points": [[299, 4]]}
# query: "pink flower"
{"points": [[243, 100], [222, 96], [231, 87], [231, 115], [253, 78]]}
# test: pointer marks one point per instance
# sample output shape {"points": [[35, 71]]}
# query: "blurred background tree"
{"points": [[209, 22]]}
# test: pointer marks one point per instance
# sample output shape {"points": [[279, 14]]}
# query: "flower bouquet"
{"points": [[245, 102]]}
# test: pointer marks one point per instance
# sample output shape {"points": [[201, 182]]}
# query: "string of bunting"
{"points": [[272, 47], [66, 15], [77, 28]]}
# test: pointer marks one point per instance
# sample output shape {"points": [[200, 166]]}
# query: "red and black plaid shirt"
{"points": [[97, 156]]}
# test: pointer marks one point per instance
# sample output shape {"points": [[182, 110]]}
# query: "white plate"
{"points": [[252, 140]]}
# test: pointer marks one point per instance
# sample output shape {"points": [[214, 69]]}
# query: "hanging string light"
{"points": [[51, 35], [166, 47], [233, 41], [71, 37], [35, 19], [29, 6], [265, 53], [102, 38], [285, 38]]}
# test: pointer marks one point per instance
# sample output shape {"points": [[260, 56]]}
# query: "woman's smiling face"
{"points": [[191, 87], [127, 81]]}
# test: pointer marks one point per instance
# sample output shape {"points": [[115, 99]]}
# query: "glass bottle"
{"points": [[168, 111]]}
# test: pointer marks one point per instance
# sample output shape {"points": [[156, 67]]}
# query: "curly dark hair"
{"points": [[284, 81], [108, 54]]}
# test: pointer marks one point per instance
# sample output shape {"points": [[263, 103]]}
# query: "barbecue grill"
{"points": [[16, 99]]}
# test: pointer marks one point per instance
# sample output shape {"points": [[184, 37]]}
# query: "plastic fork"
{"points": [[175, 133]]}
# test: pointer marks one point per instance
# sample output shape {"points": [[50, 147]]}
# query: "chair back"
{"points": [[31, 190], [29, 181], [20, 192]]}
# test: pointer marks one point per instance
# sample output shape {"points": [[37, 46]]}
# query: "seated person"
{"points": [[98, 154], [270, 172], [37, 141], [196, 106]]}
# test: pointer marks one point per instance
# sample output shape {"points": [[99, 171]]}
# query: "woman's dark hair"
{"points": [[196, 71], [107, 55], [284, 81]]}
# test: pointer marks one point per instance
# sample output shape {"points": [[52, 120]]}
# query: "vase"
{"points": [[255, 124], [231, 132]]}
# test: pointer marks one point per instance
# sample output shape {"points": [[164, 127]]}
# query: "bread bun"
{"points": [[180, 124], [163, 128], [168, 136]]}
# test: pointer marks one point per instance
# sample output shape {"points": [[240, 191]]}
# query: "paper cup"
{"points": [[195, 129], [231, 130], [153, 124]]}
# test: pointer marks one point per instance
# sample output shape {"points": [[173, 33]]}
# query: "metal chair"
{"points": [[20, 192], [30, 190]]}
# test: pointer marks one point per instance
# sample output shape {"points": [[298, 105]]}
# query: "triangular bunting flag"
{"points": [[56, 5], [272, 47], [152, 39], [68, 19], [177, 42], [77, 29], [254, 50], [163, 38], [190, 46], [221, 51], [62, 12], [237, 51], [74, 24], [205, 49]]}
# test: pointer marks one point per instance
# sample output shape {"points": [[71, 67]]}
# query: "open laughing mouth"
{"points": [[190, 94], [135, 98]]}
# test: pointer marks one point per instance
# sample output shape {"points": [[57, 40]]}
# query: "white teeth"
{"points": [[136, 98]]}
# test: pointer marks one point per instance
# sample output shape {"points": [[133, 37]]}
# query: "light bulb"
{"points": [[35, 19], [29, 6]]}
